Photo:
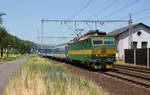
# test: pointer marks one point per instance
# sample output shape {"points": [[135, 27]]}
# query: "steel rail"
{"points": [[147, 69], [132, 69], [133, 75], [129, 80]]}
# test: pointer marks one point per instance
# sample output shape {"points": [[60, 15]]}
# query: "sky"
{"points": [[23, 17]]}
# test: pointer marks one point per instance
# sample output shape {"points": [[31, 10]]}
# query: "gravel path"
{"points": [[7, 70]]}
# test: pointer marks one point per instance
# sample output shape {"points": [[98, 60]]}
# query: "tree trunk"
{"points": [[7, 53], [1, 52]]}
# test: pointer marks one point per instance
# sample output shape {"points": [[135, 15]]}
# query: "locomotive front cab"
{"points": [[103, 51]]}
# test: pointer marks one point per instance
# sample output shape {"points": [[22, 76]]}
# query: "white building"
{"points": [[140, 38]]}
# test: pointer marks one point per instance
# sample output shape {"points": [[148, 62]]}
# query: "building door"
{"points": [[144, 44]]}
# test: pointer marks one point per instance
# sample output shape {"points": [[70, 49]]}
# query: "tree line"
{"points": [[10, 43]]}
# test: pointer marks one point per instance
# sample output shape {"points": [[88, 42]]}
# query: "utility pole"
{"points": [[42, 33], [38, 38], [130, 43]]}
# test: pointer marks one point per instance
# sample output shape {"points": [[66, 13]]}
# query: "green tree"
{"points": [[4, 39]]}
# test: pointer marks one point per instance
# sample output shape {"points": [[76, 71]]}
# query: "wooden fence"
{"points": [[138, 56]]}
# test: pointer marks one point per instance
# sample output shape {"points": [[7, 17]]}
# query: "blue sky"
{"points": [[23, 16]]}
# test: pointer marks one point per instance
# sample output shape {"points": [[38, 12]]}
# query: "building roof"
{"points": [[124, 29]]}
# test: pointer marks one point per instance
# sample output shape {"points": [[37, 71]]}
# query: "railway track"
{"points": [[137, 82], [134, 75], [138, 69]]}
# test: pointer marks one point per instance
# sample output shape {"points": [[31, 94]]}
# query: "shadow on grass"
{"points": [[10, 58]]}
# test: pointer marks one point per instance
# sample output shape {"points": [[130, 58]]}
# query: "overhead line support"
{"points": [[86, 21], [92, 21]]}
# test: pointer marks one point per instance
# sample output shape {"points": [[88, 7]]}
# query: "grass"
{"points": [[40, 77], [120, 62], [11, 57]]}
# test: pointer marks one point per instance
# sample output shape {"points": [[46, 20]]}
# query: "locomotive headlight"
{"points": [[96, 55]]}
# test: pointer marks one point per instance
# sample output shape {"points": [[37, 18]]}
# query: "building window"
{"points": [[144, 44], [134, 44], [139, 33]]}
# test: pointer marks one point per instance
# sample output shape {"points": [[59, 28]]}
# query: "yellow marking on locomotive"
{"points": [[82, 52], [104, 51], [109, 66], [92, 51]]}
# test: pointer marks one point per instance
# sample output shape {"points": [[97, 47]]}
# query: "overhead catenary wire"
{"points": [[114, 27], [120, 9], [142, 11], [142, 18], [135, 20], [63, 37], [69, 27], [138, 12], [105, 8], [79, 11]]}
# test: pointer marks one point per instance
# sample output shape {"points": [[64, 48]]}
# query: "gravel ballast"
{"points": [[113, 85]]}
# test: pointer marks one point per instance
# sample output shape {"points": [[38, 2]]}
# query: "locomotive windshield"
{"points": [[108, 41], [97, 41], [103, 41]]}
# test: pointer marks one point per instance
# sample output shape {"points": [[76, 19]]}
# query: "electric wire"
{"points": [[84, 7], [142, 18], [139, 19], [114, 27], [138, 12], [78, 12], [120, 9], [105, 8]]}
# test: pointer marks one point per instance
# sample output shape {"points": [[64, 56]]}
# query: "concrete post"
{"points": [[134, 56], [148, 57]]}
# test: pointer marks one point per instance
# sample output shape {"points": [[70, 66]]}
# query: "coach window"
{"points": [[144, 44], [134, 44]]}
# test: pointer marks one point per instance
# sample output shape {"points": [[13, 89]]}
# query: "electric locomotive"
{"points": [[97, 51]]}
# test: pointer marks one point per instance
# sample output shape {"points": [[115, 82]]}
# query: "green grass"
{"points": [[119, 62], [40, 77], [11, 57]]}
